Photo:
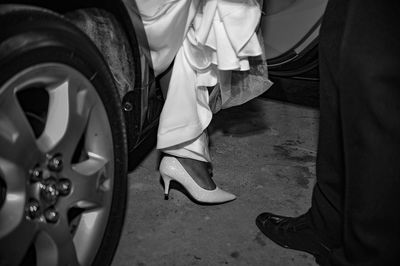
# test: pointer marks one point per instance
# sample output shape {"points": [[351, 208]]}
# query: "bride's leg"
{"points": [[183, 121], [195, 158], [185, 116]]}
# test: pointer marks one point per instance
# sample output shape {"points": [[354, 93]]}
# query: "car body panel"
{"points": [[290, 32]]}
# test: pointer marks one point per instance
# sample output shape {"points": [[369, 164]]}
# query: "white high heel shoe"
{"points": [[171, 169]]}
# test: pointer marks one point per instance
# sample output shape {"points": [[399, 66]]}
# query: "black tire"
{"points": [[31, 37]]}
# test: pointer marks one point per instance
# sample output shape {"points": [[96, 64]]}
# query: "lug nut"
{"points": [[55, 163], [64, 187], [51, 215], [49, 191], [36, 174], [32, 209]]}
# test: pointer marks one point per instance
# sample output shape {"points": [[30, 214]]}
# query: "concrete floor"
{"points": [[264, 152]]}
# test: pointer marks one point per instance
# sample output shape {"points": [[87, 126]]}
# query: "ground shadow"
{"points": [[240, 121]]}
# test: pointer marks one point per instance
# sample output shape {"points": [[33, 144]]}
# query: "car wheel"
{"points": [[63, 155]]}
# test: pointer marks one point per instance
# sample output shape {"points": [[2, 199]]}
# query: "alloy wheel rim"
{"points": [[58, 184]]}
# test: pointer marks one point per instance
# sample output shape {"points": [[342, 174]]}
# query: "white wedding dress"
{"points": [[205, 40]]}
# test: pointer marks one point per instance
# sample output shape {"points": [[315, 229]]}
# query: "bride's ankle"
{"points": [[200, 171]]}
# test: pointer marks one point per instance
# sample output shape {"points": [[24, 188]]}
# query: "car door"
{"points": [[290, 32]]}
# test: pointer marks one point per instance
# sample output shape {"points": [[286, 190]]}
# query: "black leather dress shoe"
{"points": [[294, 233]]}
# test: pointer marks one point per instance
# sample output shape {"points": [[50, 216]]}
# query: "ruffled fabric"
{"points": [[209, 46], [221, 40], [223, 34]]}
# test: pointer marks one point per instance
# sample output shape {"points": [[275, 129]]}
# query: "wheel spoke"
{"points": [[15, 244], [17, 140], [13, 207], [54, 245], [90, 183], [70, 104]]}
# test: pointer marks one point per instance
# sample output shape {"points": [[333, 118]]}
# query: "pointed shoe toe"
{"points": [[214, 196]]}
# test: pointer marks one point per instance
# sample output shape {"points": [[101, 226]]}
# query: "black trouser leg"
{"points": [[327, 200], [357, 194], [370, 106]]}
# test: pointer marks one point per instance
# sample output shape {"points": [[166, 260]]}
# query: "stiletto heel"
{"points": [[167, 181], [171, 169]]}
